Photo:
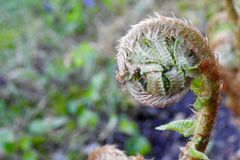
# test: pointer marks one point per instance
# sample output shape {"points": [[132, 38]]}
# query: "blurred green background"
{"points": [[58, 94], [57, 87]]}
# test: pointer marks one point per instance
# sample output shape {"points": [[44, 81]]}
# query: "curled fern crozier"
{"points": [[159, 60]]}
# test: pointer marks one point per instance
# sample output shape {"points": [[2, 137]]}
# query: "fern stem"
{"points": [[207, 113], [206, 121]]}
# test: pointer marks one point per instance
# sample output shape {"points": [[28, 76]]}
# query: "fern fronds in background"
{"points": [[224, 36]]}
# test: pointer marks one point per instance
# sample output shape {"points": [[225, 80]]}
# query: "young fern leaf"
{"points": [[200, 87], [193, 152], [158, 60], [200, 103], [203, 92], [185, 127]]}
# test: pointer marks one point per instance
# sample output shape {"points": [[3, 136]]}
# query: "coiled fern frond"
{"points": [[110, 152], [159, 59]]}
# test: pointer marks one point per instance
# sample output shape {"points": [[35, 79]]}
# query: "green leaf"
{"points": [[200, 87], [88, 118], [127, 126], [200, 103], [197, 83], [43, 126], [73, 106], [2, 105], [58, 122], [193, 152], [85, 54], [75, 17], [8, 37], [184, 127], [7, 135], [25, 143], [203, 92], [10, 147], [30, 155], [138, 145], [57, 69], [40, 126], [93, 93]]}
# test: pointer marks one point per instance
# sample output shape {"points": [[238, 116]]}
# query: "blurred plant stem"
{"points": [[231, 11], [235, 18]]}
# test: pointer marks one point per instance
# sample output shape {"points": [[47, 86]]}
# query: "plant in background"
{"points": [[224, 35], [43, 98], [159, 60]]}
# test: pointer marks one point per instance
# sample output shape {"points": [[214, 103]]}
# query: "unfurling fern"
{"points": [[158, 61], [110, 152]]}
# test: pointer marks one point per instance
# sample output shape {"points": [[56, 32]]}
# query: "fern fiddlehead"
{"points": [[110, 152], [159, 60]]}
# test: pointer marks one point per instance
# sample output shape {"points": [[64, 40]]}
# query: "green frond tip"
{"points": [[197, 84], [201, 87], [194, 153], [184, 127], [200, 103]]}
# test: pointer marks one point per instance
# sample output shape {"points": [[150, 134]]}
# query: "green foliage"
{"points": [[88, 119], [73, 107], [93, 93], [55, 86], [138, 145], [114, 6], [201, 89], [185, 127], [70, 17], [43, 126], [57, 69], [200, 103], [193, 152], [2, 106], [197, 84], [8, 37], [30, 155], [25, 143], [83, 55], [127, 126], [7, 138]]}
